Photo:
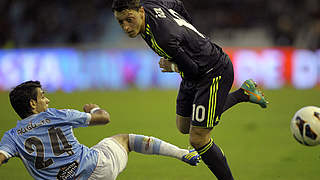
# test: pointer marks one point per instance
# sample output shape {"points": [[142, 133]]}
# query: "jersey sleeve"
{"points": [[74, 117], [179, 56], [7, 146], [185, 63]]}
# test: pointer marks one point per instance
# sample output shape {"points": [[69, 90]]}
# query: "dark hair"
{"points": [[120, 5], [21, 95]]}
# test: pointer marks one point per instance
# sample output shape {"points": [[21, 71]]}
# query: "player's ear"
{"points": [[141, 10], [33, 104]]}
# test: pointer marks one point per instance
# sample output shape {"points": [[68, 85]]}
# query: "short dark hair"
{"points": [[120, 5], [21, 95]]}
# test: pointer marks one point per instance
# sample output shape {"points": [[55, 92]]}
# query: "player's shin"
{"points": [[234, 98], [151, 145], [214, 158]]}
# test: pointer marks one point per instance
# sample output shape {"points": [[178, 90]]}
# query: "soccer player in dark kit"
{"points": [[206, 71]]}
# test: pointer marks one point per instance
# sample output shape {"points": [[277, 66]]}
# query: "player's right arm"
{"points": [[177, 5], [98, 116]]}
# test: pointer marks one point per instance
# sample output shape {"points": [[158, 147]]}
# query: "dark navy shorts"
{"points": [[203, 100]]}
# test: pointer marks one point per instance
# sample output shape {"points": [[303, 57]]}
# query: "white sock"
{"points": [[151, 145]]}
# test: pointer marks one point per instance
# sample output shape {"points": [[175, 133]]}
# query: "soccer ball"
{"points": [[305, 126]]}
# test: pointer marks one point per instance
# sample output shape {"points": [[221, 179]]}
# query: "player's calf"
{"points": [[151, 145], [214, 158]]}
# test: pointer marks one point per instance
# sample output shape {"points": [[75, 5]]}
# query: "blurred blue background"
{"points": [[78, 45]]}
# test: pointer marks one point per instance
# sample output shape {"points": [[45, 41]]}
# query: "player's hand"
{"points": [[167, 66], [88, 107]]}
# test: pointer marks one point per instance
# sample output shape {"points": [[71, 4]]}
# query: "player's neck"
{"points": [[34, 111]]}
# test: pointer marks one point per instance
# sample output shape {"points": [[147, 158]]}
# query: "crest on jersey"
{"points": [[159, 13]]}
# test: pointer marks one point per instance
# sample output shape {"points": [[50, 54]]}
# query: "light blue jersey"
{"points": [[47, 146]]}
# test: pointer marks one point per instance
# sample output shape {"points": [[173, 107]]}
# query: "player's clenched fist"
{"points": [[167, 66], [88, 107]]}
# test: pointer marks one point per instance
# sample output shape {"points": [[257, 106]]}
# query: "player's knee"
{"points": [[123, 139], [199, 137], [197, 141], [183, 124]]}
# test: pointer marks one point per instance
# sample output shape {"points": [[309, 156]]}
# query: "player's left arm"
{"points": [[180, 62], [167, 65], [185, 63]]}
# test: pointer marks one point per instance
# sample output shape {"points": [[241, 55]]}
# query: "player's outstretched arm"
{"points": [[2, 158], [98, 116]]}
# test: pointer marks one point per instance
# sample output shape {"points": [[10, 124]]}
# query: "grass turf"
{"points": [[257, 142]]}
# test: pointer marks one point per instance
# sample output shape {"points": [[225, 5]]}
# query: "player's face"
{"points": [[42, 102], [131, 21]]}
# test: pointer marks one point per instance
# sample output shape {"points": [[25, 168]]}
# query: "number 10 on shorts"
{"points": [[198, 112]]}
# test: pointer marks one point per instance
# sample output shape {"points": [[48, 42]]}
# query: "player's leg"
{"points": [[113, 153], [185, 99], [151, 145], [234, 97], [112, 158], [183, 124], [210, 153], [248, 92], [207, 108]]}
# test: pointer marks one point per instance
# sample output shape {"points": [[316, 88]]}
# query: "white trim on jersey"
{"points": [[88, 119], [7, 155]]}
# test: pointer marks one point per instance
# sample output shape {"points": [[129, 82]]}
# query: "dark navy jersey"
{"points": [[170, 33]]}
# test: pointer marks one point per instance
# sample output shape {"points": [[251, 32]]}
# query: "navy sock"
{"points": [[214, 158], [234, 98]]}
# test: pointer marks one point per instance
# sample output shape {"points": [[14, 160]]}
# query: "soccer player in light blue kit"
{"points": [[45, 142]]}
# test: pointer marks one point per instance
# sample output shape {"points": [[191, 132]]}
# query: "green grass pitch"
{"points": [[256, 141]]}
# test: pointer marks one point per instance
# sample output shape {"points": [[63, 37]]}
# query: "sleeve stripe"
{"points": [[88, 119]]}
